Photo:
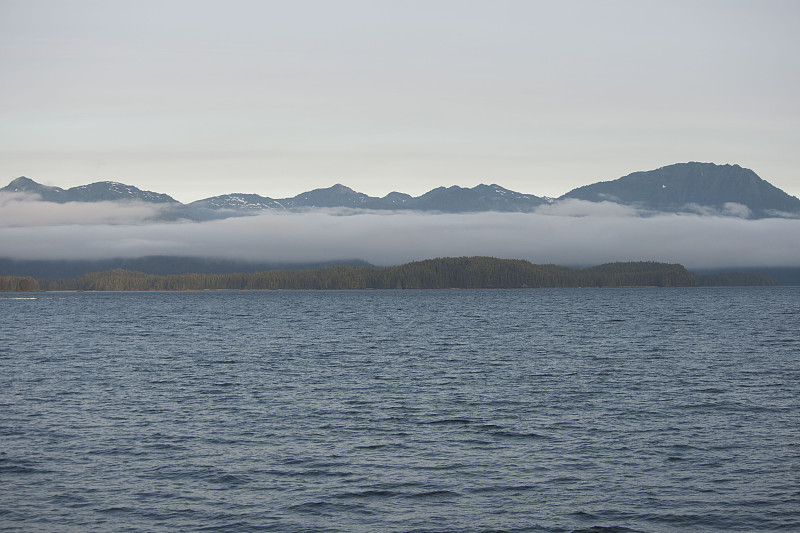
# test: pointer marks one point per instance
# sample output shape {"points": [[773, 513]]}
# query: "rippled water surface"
{"points": [[525, 410]]}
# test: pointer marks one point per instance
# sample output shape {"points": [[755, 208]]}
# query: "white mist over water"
{"points": [[572, 232]]}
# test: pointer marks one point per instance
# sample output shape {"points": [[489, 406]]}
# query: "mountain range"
{"points": [[703, 188]]}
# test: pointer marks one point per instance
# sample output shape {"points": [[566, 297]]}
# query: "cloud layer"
{"points": [[569, 233], [23, 209]]}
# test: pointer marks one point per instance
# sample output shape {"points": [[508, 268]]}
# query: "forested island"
{"points": [[442, 273]]}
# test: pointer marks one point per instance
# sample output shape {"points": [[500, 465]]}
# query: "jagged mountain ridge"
{"points": [[453, 199], [683, 187], [100, 191], [241, 201], [693, 186]]}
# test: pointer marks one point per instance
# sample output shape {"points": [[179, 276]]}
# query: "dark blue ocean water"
{"points": [[523, 410]]}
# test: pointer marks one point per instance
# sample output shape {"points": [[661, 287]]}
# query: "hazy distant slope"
{"points": [[27, 185], [679, 187], [441, 273], [101, 191], [154, 264], [453, 199], [237, 202], [691, 187], [479, 198], [335, 196]]}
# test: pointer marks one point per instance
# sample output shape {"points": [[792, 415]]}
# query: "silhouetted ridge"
{"points": [[691, 186], [101, 191], [443, 273], [703, 188]]}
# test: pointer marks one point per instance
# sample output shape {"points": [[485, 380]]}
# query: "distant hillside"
{"points": [[101, 191], [442, 199], [789, 276], [479, 198], [736, 279], [692, 186], [154, 264], [444, 273]]}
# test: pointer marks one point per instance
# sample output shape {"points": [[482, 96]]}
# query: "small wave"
{"points": [[433, 494], [72, 500], [697, 521], [369, 493], [116, 510], [606, 529], [231, 479], [518, 435], [454, 466], [505, 488], [449, 421], [564, 479], [684, 447], [165, 446], [393, 445], [295, 461], [323, 473], [19, 466], [479, 442], [325, 508], [205, 475], [18, 469]]}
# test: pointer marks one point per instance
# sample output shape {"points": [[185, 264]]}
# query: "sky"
{"points": [[198, 98]]}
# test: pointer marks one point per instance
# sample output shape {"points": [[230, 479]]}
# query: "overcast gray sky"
{"points": [[198, 98]]}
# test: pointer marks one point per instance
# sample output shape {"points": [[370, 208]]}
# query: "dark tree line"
{"points": [[443, 273], [18, 284]]}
